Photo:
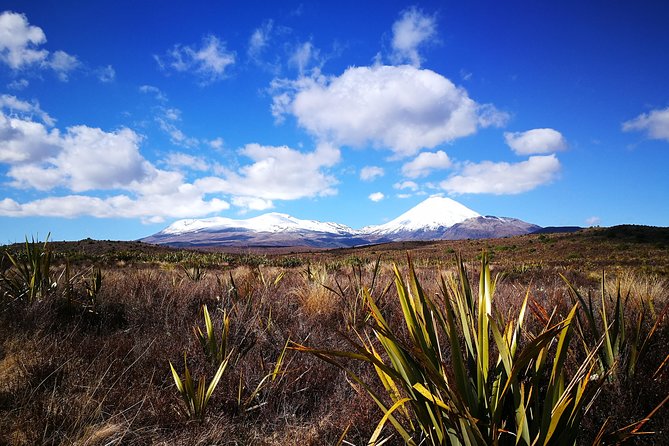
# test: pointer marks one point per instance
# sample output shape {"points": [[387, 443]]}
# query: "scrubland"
{"points": [[397, 343]]}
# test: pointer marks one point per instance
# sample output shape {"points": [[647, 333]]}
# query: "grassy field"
{"points": [[324, 347]]}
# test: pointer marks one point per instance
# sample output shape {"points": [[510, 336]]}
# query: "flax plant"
{"points": [[196, 398], [30, 277], [526, 396], [195, 273], [93, 286], [214, 350], [625, 339]]}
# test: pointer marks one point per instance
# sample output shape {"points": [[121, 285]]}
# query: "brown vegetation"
{"points": [[92, 367]]}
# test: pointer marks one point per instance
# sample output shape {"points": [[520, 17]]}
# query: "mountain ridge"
{"points": [[435, 218]]}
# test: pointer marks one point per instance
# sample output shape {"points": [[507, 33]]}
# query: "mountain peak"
{"points": [[430, 214]]}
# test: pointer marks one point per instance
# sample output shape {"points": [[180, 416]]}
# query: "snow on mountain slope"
{"points": [[272, 222], [433, 213]]}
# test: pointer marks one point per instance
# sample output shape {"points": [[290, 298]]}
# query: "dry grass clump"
{"points": [[313, 292]]}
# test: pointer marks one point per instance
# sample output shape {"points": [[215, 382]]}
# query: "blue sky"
{"points": [[117, 118]]}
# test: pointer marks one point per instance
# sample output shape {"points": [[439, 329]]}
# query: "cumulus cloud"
{"points": [[402, 108], [24, 141], [208, 62], [412, 30], [376, 196], [278, 173], [104, 174], [20, 47], [20, 41], [85, 159], [503, 178], [425, 163], [370, 173], [82, 159], [654, 123], [536, 141]]}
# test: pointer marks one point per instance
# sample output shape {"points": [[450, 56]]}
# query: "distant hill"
{"points": [[557, 229]]}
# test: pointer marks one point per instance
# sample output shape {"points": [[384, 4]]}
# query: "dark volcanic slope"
{"points": [[488, 227]]}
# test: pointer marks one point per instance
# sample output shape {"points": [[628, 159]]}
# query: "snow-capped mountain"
{"points": [[273, 222], [436, 218], [268, 230], [432, 215]]}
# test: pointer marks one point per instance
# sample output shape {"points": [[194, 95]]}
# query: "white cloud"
{"points": [[178, 160], [152, 209], [503, 178], [490, 116], [166, 119], [209, 62], [87, 159], [25, 109], [278, 173], [20, 41], [655, 124], [376, 197], [425, 163], [412, 30], [252, 203], [593, 221], [370, 173], [410, 185], [24, 141], [155, 91], [20, 47], [536, 141], [303, 56], [19, 84], [259, 40], [216, 144], [106, 74], [63, 63], [401, 108]]}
